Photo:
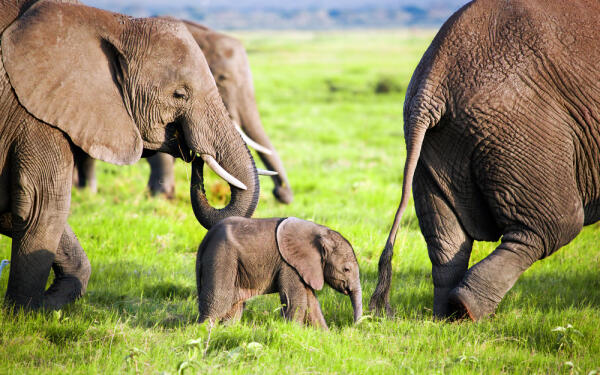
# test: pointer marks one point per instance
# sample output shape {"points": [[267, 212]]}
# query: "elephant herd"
{"points": [[501, 123]]}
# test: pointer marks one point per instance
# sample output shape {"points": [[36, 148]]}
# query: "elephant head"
{"points": [[118, 86], [228, 62], [319, 255]]}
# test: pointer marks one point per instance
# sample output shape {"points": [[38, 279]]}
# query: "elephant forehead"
{"points": [[173, 59]]}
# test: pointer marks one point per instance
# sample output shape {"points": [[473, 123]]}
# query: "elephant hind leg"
{"points": [[486, 283], [72, 271], [448, 244], [217, 292]]}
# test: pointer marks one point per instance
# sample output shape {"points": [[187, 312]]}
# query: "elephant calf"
{"points": [[241, 258]]}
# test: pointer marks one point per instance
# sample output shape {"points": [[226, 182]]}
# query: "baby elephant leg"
{"points": [[217, 293], [235, 314], [314, 316], [292, 293], [300, 303]]}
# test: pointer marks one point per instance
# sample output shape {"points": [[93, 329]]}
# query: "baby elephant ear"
{"points": [[297, 241]]}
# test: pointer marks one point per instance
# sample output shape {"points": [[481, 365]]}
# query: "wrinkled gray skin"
{"points": [[114, 86], [228, 62], [502, 126], [241, 258]]}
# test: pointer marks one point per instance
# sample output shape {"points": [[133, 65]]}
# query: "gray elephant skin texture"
{"points": [[228, 62], [113, 86], [502, 129], [241, 258]]}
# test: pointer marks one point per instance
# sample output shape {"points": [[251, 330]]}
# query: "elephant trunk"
{"points": [[252, 126], [356, 298], [231, 154]]}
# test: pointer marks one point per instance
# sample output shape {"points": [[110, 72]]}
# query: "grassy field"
{"points": [[342, 144]]}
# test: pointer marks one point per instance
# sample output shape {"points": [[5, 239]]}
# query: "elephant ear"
{"points": [[66, 71], [298, 244]]}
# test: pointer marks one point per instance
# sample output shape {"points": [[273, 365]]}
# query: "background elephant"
{"points": [[114, 86], [228, 62], [241, 258], [501, 121]]}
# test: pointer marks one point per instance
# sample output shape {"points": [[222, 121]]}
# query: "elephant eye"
{"points": [[346, 269], [221, 77], [180, 93]]}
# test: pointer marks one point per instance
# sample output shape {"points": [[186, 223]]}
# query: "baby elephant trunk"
{"points": [[356, 298]]}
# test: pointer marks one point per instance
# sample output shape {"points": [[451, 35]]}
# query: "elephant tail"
{"points": [[421, 112]]}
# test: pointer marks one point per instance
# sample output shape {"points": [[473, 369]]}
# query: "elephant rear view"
{"points": [[502, 127], [113, 86]]}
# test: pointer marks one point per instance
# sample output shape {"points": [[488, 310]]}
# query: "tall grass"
{"points": [[341, 139]]}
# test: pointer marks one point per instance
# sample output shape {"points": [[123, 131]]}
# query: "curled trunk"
{"points": [[242, 202]]}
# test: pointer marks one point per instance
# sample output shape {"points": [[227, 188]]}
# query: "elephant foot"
{"points": [[463, 303], [283, 194]]}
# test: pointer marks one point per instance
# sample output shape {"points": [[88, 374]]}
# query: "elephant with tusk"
{"points": [[228, 62], [116, 87]]}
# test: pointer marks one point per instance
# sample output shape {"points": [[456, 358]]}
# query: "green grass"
{"points": [[343, 147]]}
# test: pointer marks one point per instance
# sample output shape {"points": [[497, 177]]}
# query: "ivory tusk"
{"points": [[212, 163], [258, 147], [264, 172]]}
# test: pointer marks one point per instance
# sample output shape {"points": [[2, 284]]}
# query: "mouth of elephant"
{"points": [[186, 154]]}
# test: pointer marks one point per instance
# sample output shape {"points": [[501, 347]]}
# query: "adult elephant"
{"points": [[228, 62], [114, 86], [502, 127]]}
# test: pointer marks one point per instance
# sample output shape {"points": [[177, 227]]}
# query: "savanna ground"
{"points": [[342, 144]]}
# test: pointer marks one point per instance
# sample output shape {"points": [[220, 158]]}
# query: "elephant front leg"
{"points": [[71, 272], [293, 295], [34, 247], [314, 316], [448, 245]]}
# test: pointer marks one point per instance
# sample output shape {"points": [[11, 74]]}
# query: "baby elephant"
{"points": [[240, 258]]}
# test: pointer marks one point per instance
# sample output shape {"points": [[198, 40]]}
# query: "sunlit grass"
{"points": [[343, 147]]}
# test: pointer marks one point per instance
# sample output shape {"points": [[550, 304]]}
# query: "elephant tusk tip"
{"points": [[264, 172]]}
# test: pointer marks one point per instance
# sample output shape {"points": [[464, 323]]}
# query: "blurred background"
{"points": [[299, 14]]}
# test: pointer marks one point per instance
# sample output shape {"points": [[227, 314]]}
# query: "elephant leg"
{"points": [[448, 245], [539, 214], [235, 314], [293, 295], [217, 292], [162, 175], [486, 283], [315, 315], [72, 271], [42, 168], [85, 170]]}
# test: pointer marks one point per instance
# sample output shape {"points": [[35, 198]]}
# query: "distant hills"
{"points": [[300, 14]]}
